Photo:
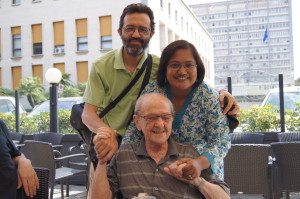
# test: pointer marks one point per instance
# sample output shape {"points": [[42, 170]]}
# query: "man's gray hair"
{"points": [[141, 99]]}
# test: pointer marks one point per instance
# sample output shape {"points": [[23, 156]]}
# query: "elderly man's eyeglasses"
{"points": [[154, 118], [177, 66], [141, 29]]}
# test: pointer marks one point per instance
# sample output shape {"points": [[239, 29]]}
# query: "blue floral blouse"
{"points": [[200, 123]]}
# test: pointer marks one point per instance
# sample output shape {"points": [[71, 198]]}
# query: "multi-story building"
{"points": [[69, 35], [253, 43]]}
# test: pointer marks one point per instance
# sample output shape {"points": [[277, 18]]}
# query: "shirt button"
{"points": [[155, 188], [156, 170]]}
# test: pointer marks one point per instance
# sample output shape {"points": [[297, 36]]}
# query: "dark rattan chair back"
{"points": [[288, 137], [18, 137], [287, 155], [247, 138], [41, 154], [246, 169], [51, 137], [43, 191]]}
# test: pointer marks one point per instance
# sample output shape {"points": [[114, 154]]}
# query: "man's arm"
{"points": [[105, 148], [210, 190], [185, 170], [100, 184], [26, 175]]}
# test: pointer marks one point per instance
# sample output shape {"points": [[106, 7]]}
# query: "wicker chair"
{"points": [[247, 138], [18, 138], [52, 137], [41, 154], [247, 169], [43, 191], [287, 137], [287, 178]]}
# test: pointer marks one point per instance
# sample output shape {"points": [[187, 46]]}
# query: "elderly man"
{"points": [[157, 166]]}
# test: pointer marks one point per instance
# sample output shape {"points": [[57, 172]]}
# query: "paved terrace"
{"points": [[79, 192]]}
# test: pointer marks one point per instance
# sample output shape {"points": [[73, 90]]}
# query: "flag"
{"points": [[266, 36]]}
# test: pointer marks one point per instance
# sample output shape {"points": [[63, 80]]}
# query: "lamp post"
{"points": [[53, 76]]}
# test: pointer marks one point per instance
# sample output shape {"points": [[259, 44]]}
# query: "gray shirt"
{"points": [[133, 171]]}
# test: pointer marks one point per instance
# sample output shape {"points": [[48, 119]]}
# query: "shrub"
{"points": [[267, 119], [39, 122]]}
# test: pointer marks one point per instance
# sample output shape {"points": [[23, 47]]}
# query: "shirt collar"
{"points": [[119, 64], [172, 148]]}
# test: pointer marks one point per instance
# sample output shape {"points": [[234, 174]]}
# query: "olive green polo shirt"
{"points": [[108, 78]]}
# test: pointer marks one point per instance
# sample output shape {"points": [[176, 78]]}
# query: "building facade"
{"points": [[39, 34], [253, 43]]}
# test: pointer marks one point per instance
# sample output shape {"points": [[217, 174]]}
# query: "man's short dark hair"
{"points": [[137, 8], [166, 55]]}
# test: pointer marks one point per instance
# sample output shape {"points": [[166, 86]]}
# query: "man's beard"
{"points": [[135, 50]]}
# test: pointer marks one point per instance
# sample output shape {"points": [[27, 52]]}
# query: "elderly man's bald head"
{"points": [[145, 99]]}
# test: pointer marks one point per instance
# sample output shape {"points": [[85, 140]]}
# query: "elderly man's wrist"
{"points": [[200, 182]]}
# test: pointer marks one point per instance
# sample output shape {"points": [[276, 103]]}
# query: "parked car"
{"points": [[291, 97], [8, 105], [65, 103]]}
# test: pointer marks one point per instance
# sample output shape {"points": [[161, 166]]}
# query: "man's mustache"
{"points": [[136, 39]]}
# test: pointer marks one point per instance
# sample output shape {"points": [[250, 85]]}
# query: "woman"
{"points": [[198, 119]]}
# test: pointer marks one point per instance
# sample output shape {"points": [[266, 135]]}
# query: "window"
{"points": [[169, 9], [37, 71], [176, 17], [82, 71], [59, 40], [16, 72], [37, 45], [16, 2], [106, 42], [105, 32], [81, 30], [60, 66], [16, 41], [82, 44], [162, 4]]}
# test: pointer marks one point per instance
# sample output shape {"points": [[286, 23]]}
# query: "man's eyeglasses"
{"points": [[154, 118], [177, 66], [141, 29]]}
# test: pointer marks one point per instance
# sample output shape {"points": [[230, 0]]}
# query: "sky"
{"points": [[296, 31]]}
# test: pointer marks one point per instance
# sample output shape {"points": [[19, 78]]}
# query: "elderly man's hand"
{"points": [[27, 177], [106, 144], [186, 169], [229, 103]]}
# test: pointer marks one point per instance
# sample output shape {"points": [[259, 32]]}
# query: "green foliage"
{"points": [[81, 87], [70, 91], [7, 92], [267, 119], [32, 88], [65, 79], [39, 122], [292, 119]]}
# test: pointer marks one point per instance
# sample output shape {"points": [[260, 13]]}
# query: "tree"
{"points": [[81, 87], [70, 91], [6, 92], [65, 79], [33, 89]]}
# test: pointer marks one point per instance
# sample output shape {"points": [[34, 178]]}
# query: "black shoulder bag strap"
{"points": [[129, 86], [115, 101], [145, 82]]}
